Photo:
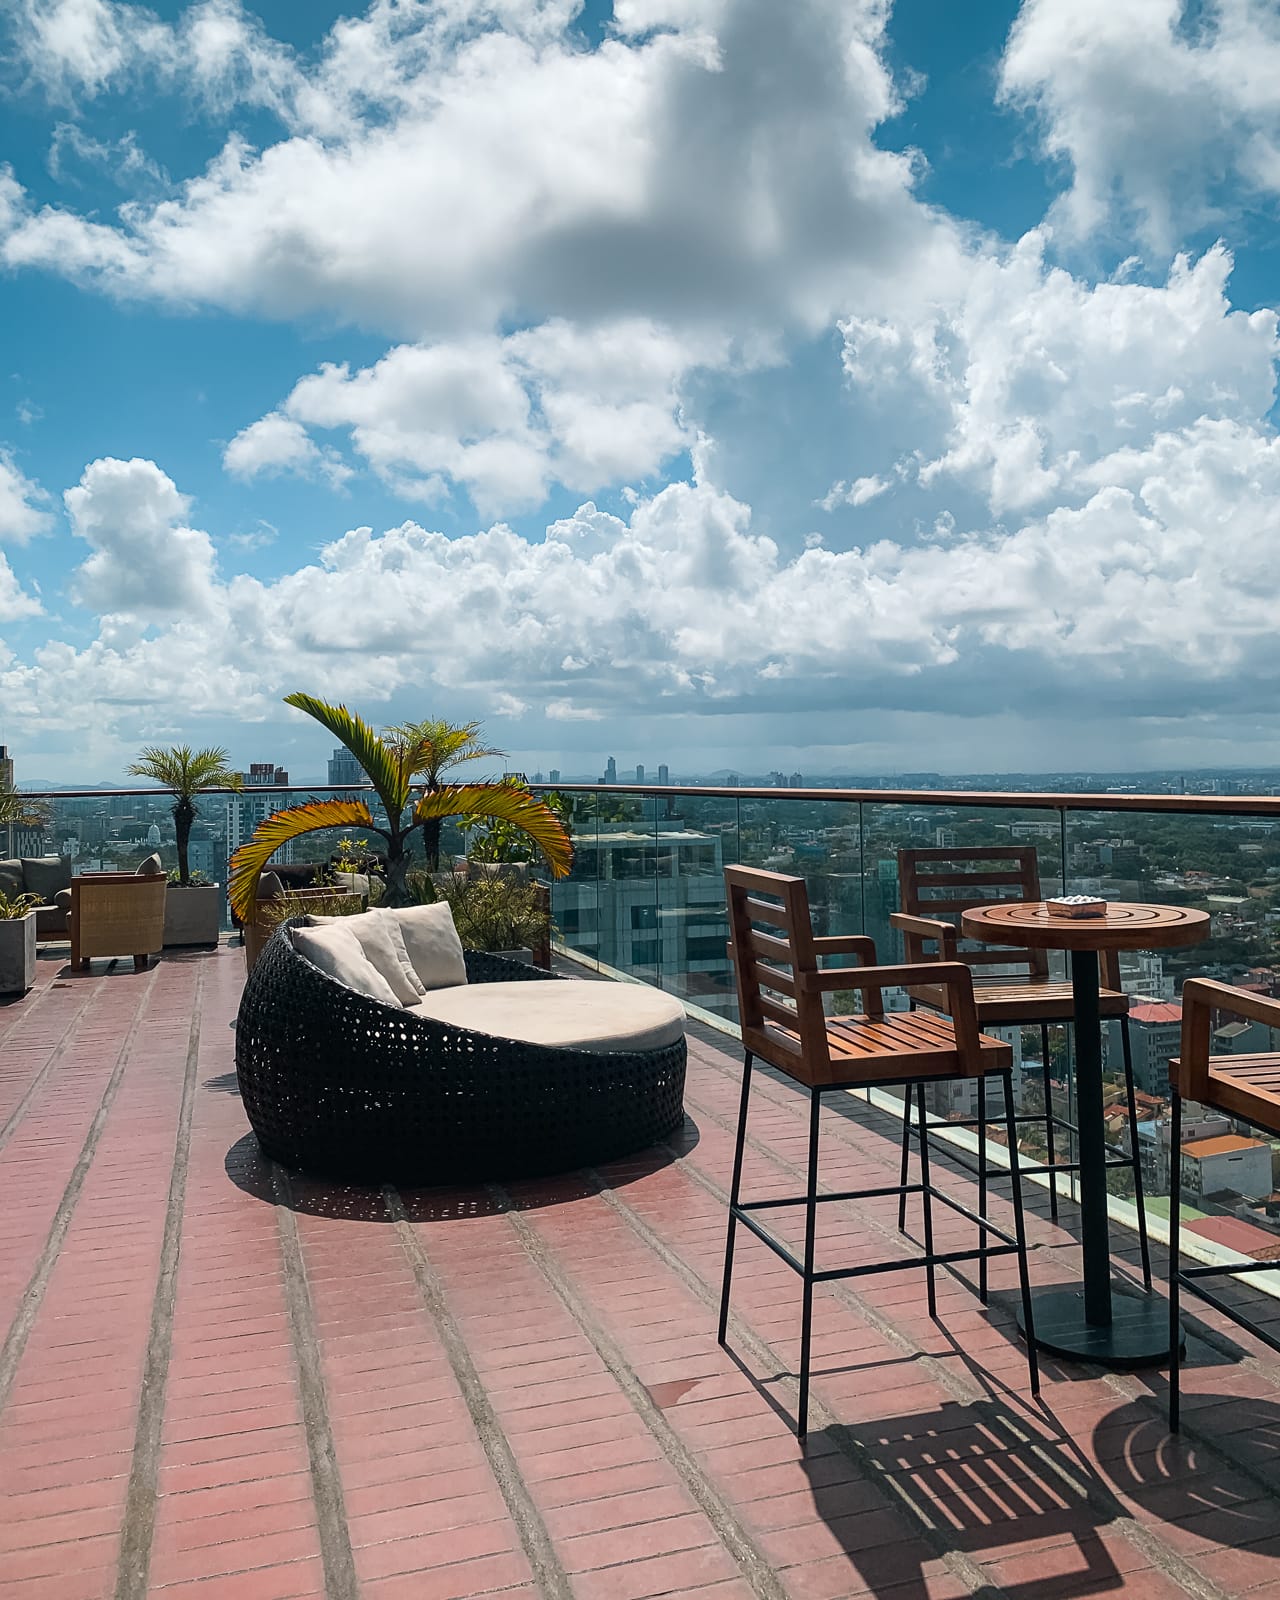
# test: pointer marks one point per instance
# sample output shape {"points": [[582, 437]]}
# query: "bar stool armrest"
{"points": [[918, 930]]}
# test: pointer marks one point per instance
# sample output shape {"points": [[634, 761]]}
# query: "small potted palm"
{"points": [[17, 942], [192, 911]]}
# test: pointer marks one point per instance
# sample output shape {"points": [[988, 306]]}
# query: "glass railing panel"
{"points": [[621, 860], [575, 900], [696, 838]]}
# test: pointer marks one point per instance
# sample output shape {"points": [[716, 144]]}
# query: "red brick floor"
{"points": [[220, 1381]]}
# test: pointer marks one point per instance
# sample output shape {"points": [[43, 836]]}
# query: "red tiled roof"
{"points": [[1237, 1235], [1156, 1011]]}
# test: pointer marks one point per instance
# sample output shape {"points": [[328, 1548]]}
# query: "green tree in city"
{"points": [[187, 773]]}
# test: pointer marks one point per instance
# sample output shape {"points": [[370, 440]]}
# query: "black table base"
{"points": [[1137, 1335]]}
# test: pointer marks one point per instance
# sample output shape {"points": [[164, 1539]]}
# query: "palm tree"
{"points": [[188, 773], [391, 761], [434, 746]]}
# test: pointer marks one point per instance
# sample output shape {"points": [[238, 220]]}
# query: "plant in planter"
{"points": [[17, 942], [192, 915], [391, 762], [502, 913]]}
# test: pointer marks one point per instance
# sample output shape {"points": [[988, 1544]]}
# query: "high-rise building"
{"points": [[6, 768], [610, 771], [263, 774], [344, 768], [554, 775], [796, 781], [664, 776], [639, 771]]}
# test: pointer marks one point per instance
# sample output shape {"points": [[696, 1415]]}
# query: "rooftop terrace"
{"points": [[220, 1381]]}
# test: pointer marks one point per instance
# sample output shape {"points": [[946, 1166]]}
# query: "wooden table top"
{"points": [[1124, 926]]}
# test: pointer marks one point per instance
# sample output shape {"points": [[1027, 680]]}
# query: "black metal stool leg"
{"points": [[1050, 1121], [982, 1186], [1175, 1225], [906, 1158], [734, 1192], [1135, 1154], [810, 1230], [930, 1270], [1020, 1234]]}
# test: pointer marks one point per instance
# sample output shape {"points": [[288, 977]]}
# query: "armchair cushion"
{"points": [[45, 875], [12, 883], [337, 953], [151, 866], [62, 899]]}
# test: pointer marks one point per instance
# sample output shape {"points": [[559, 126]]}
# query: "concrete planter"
{"points": [[17, 953], [192, 915]]}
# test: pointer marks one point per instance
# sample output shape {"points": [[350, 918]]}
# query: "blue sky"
{"points": [[835, 386]]}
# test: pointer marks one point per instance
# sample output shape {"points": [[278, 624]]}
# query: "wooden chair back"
{"points": [[944, 881], [773, 950]]}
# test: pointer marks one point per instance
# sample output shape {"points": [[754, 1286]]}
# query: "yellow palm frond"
{"points": [[379, 762], [503, 802], [277, 830]]}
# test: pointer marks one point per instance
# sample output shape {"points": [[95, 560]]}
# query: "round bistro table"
{"points": [[1082, 1322]]}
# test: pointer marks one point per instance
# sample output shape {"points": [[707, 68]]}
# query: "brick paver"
{"points": [[220, 1381]]}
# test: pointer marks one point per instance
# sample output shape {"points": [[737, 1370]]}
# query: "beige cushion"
{"points": [[434, 947], [152, 865], [571, 1013], [45, 875], [383, 943], [338, 953], [269, 886]]}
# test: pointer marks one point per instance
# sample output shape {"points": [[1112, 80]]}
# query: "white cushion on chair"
{"points": [[383, 943], [433, 944], [337, 952], [570, 1013]]}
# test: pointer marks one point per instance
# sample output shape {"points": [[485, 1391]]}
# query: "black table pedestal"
{"points": [[1085, 1322], [1136, 1336]]}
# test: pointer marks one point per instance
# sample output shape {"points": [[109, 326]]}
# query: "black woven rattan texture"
{"points": [[336, 1084]]}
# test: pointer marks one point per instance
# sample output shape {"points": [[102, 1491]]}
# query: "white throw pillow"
{"points": [[383, 943], [338, 953], [433, 944]]}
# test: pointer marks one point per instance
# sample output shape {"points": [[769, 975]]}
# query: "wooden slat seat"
{"points": [[1005, 1001], [784, 1022]]}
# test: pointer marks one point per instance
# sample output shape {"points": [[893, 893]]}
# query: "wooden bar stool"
{"points": [[935, 886], [780, 989], [1243, 1086]]}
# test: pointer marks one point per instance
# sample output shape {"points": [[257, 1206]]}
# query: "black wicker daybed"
{"points": [[337, 1084]]}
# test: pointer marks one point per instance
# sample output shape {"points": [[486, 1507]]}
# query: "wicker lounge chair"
{"points": [[341, 1085], [117, 914]]}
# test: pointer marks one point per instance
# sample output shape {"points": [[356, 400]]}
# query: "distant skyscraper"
{"points": [[6, 767], [611, 771], [554, 775], [262, 774], [639, 771], [664, 776], [796, 781], [344, 768]]}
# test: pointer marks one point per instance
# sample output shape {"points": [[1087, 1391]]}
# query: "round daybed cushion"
{"points": [[577, 1014]]}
